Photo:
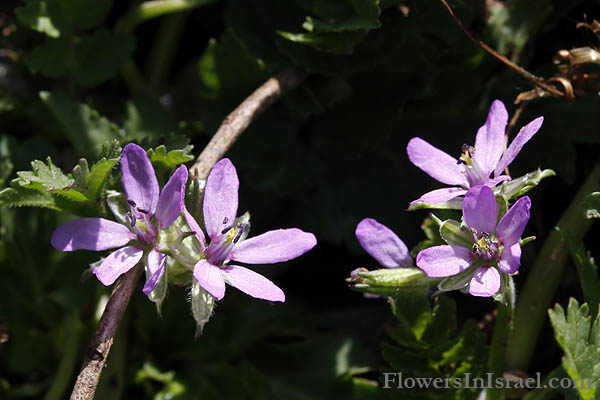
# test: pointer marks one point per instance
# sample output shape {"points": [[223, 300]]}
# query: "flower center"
{"points": [[219, 249], [475, 175], [140, 222], [485, 247]]}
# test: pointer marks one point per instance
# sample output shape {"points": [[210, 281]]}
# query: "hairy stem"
{"points": [[534, 80], [239, 119], [545, 276]]}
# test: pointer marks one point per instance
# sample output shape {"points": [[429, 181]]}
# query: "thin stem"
{"points": [[153, 9], [545, 276], [72, 327], [231, 128], [496, 361], [534, 80], [161, 57], [239, 119]]}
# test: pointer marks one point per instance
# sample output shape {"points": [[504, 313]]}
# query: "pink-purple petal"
{"points": [[440, 195], [494, 181], [485, 282], [383, 244], [435, 163], [191, 221], [117, 263], [511, 226], [274, 246], [517, 144], [220, 197], [252, 283], [90, 234], [138, 178], [442, 261], [510, 260], [156, 269], [170, 200], [210, 278], [489, 142], [480, 209]]}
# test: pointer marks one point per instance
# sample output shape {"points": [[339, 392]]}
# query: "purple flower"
{"points": [[475, 164], [495, 246], [150, 211], [226, 236], [382, 244]]}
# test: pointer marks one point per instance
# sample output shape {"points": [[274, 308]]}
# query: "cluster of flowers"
{"points": [[158, 230], [486, 246]]}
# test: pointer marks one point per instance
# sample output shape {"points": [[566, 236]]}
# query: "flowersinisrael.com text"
{"points": [[395, 380]]}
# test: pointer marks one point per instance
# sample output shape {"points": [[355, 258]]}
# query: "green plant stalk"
{"points": [[497, 356], [64, 374], [153, 9], [161, 57], [545, 276]]}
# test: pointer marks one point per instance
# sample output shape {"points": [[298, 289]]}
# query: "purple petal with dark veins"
{"points": [[517, 144], [442, 261], [274, 246], [117, 263], [220, 198], [170, 200], [383, 244], [511, 226], [485, 282], [489, 142], [252, 283], [435, 163], [191, 221], [91, 234], [480, 209], [210, 278], [139, 179], [156, 269], [510, 260]]}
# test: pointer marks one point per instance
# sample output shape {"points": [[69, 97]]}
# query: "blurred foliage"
{"points": [[74, 83]]}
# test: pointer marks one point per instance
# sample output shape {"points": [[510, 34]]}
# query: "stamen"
{"points": [[224, 231], [131, 202], [225, 221], [142, 210], [239, 235], [131, 218]]}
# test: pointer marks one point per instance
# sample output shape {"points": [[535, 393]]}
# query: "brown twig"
{"points": [[535, 80], [231, 128], [97, 352], [239, 119]]}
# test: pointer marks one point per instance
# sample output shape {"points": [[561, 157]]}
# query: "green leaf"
{"points": [[44, 16], [100, 56], [87, 130], [586, 269], [427, 345], [86, 14], [23, 197], [170, 159], [453, 233], [431, 227], [581, 345], [338, 26], [90, 59], [592, 205]]}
